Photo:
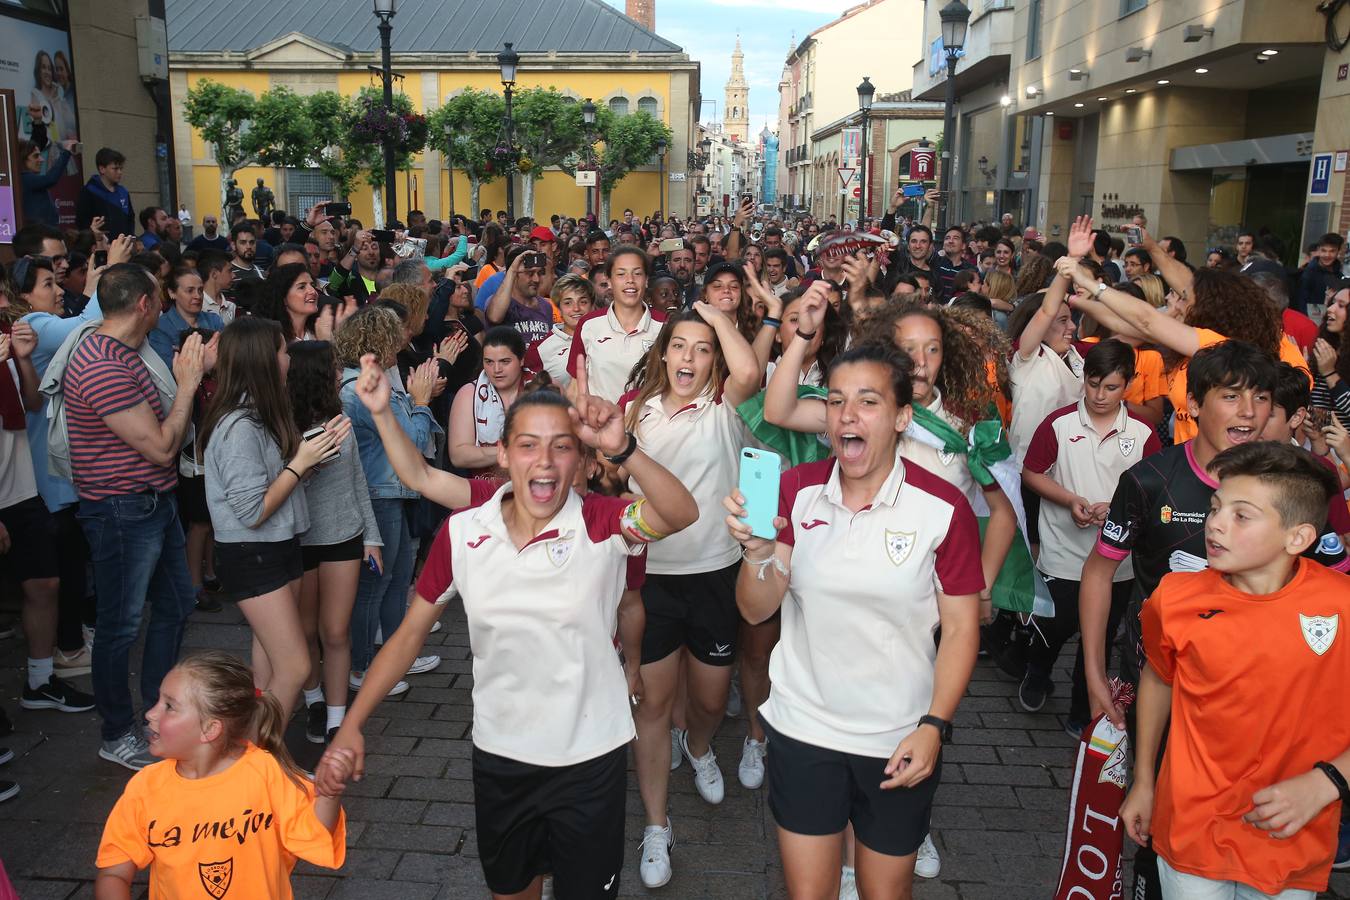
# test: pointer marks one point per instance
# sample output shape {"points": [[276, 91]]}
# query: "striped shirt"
{"points": [[104, 377]]}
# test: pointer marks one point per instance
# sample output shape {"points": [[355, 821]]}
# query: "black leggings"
{"points": [[75, 603], [1052, 634]]}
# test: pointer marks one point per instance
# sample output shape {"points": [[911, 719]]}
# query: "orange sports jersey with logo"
{"points": [[1246, 714], [232, 836]]}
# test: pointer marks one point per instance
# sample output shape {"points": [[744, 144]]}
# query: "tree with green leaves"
{"points": [[630, 142], [474, 119], [548, 130], [243, 130]]}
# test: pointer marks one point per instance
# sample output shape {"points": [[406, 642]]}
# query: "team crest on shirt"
{"points": [[946, 457], [216, 877], [647, 345], [1319, 631], [560, 549], [898, 545], [1126, 445]]}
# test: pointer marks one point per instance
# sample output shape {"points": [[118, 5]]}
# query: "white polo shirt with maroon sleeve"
{"points": [[548, 688], [551, 355], [853, 670], [699, 444], [611, 351], [1068, 449], [1040, 386]]}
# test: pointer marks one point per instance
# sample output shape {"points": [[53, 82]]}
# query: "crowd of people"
{"points": [[989, 443]]}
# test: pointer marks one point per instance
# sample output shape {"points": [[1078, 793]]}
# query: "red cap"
{"points": [[540, 233]]}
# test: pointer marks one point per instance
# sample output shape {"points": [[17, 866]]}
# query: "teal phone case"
{"points": [[760, 471]]}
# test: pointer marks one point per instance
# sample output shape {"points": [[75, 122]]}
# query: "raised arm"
{"points": [[1029, 342], [501, 301], [782, 406], [743, 372], [1142, 318], [764, 338], [411, 467], [1177, 274]]}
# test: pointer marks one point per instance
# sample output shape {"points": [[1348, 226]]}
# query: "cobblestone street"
{"points": [[999, 819]]}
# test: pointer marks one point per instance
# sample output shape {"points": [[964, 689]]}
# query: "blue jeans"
{"points": [[382, 599], [137, 547]]}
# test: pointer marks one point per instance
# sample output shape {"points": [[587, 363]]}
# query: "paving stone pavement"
{"points": [[999, 818]]}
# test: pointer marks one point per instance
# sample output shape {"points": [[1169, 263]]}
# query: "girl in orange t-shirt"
{"points": [[227, 807]]}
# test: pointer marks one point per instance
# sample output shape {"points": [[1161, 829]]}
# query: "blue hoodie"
{"points": [[115, 207]]}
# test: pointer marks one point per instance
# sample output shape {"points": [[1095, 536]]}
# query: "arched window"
{"points": [[649, 105], [618, 106]]}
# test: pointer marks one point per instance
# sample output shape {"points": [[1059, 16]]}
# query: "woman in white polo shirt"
{"points": [[683, 412], [872, 557], [614, 338], [551, 704]]}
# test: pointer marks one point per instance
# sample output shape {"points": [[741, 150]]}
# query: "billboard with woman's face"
{"points": [[37, 65]]}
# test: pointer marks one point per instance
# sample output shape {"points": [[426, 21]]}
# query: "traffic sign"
{"points": [[846, 175], [857, 192]]}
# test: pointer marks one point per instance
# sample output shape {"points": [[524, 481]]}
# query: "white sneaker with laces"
{"points": [[928, 864], [355, 681], [657, 842], [707, 777], [848, 884], [751, 769], [676, 754], [424, 664]]}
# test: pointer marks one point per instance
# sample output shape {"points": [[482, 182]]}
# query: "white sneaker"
{"points": [[657, 842], [751, 769], [928, 864], [435, 628], [676, 754], [355, 681], [734, 702], [848, 884], [707, 777], [424, 664]]}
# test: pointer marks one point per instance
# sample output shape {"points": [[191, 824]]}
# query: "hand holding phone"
{"points": [[337, 209], [760, 473], [1133, 235]]}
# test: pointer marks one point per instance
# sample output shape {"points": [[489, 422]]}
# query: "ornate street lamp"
{"points": [[955, 18], [508, 59], [661, 177], [385, 11], [865, 92]]}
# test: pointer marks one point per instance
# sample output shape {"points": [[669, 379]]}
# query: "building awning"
{"points": [[1282, 148]]}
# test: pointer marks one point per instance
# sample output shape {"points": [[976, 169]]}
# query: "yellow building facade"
{"points": [[650, 75]]}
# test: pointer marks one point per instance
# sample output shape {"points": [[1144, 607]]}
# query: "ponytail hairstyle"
{"points": [[222, 689], [541, 396]]}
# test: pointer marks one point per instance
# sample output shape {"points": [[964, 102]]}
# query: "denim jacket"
{"points": [[416, 421]]}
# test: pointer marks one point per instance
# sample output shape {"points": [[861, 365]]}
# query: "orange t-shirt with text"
{"points": [[234, 834], [1247, 713], [1184, 427]]}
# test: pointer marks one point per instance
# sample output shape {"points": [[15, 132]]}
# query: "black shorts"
{"points": [[192, 508], [568, 820], [253, 568], [346, 551], [815, 791], [32, 540], [1031, 502], [695, 611]]}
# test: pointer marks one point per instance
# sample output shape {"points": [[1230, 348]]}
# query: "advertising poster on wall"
{"points": [[37, 65]]}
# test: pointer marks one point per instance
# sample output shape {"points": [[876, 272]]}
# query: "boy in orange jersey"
{"points": [[1245, 659]]}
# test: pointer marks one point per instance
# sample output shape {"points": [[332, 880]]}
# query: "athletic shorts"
{"points": [[815, 791], [346, 551], [192, 508], [253, 568], [567, 820], [32, 540], [695, 611]]}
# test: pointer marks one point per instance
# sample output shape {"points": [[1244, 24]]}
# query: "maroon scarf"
{"points": [[11, 403]]}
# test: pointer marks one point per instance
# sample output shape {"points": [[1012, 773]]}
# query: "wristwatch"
{"points": [[620, 458], [942, 725]]}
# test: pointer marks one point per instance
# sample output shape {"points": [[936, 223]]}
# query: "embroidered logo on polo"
{"points": [[603, 339], [1126, 446], [216, 877], [560, 549], [1077, 437], [814, 523], [946, 457], [898, 545], [647, 345], [478, 542], [1319, 631]]}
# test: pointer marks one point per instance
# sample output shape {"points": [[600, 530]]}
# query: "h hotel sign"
{"points": [[923, 164]]}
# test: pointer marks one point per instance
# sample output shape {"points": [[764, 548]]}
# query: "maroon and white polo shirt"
{"points": [[611, 351], [853, 670]]}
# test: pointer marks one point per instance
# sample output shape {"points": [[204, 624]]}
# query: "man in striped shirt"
{"points": [[126, 427]]}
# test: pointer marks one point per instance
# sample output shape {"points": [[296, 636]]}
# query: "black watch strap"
{"points": [[619, 459], [1337, 779], [942, 725]]}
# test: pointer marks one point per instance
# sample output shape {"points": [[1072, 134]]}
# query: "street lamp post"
{"points": [[450, 167], [955, 17], [661, 176], [865, 92], [384, 11], [508, 59], [588, 119]]}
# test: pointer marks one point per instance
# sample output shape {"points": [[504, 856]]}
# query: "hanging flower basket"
{"points": [[524, 164], [374, 124]]}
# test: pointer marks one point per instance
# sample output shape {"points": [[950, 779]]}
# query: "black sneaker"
{"points": [[316, 720], [332, 733], [211, 583], [58, 695], [206, 603], [1032, 693], [8, 790]]}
